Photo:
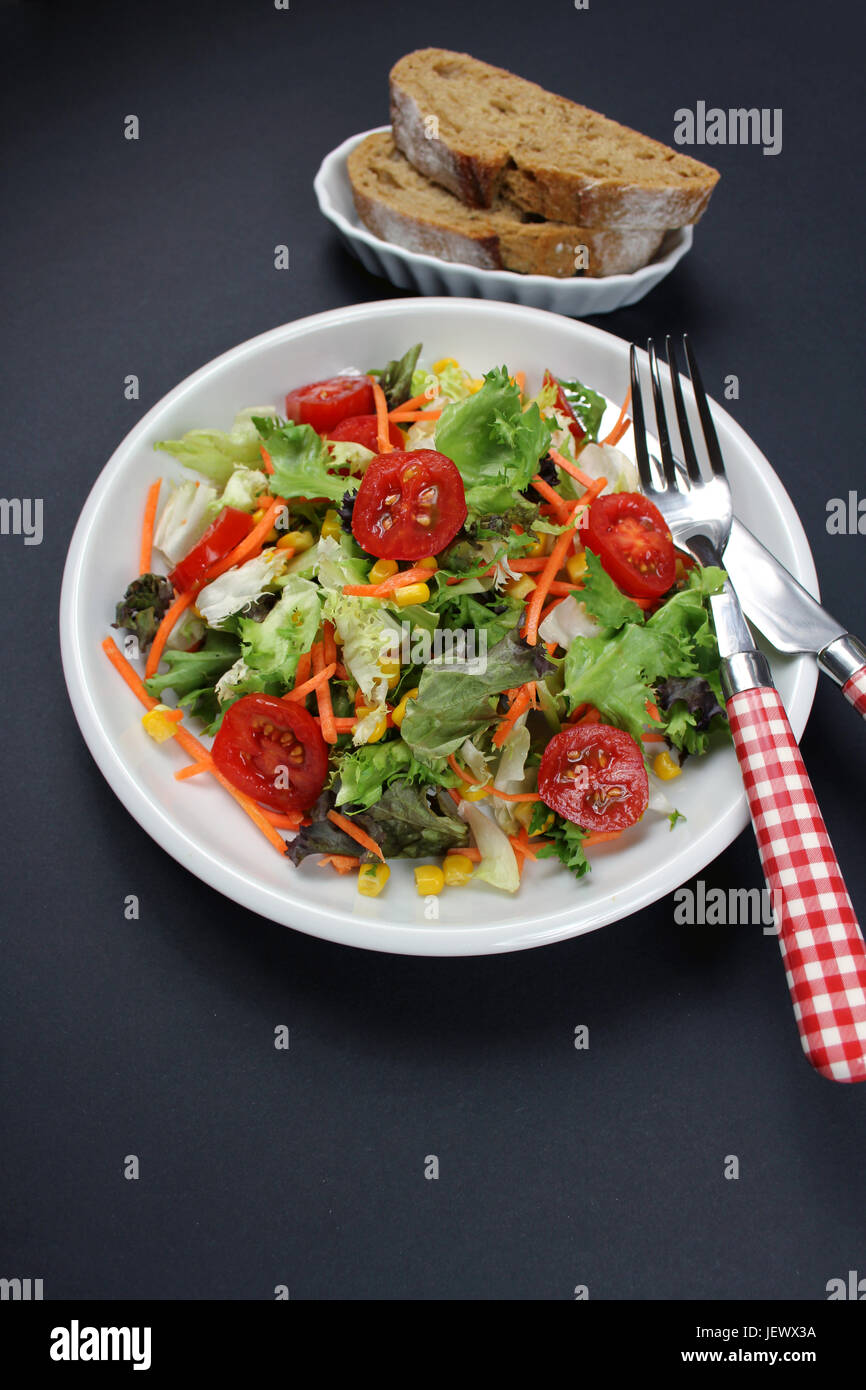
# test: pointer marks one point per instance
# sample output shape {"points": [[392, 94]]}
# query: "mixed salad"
{"points": [[423, 615]]}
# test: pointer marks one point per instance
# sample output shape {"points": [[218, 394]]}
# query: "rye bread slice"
{"points": [[402, 206], [482, 132]]}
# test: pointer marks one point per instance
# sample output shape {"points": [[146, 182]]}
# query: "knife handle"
{"points": [[854, 691], [844, 660], [822, 946]]}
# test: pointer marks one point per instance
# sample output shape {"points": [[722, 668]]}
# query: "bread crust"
{"points": [[674, 194]]}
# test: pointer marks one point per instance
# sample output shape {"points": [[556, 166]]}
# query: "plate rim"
{"points": [[307, 916], [333, 164]]}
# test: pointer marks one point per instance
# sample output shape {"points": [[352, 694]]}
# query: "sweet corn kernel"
{"points": [[474, 384], [383, 569], [665, 767], [474, 793], [427, 564], [523, 814], [297, 541], [398, 714], [445, 362], [390, 669], [156, 724], [457, 870], [411, 593], [429, 879], [258, 514], [575, 566], [272, 536], [519, 588], [331, 525], [539, 545], [372, 879], [379, 727]]}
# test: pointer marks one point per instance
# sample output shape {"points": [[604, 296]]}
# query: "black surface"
{"points": [[155, 1037]]}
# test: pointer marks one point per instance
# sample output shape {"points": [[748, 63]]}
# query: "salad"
{"points": [[422, 615]]}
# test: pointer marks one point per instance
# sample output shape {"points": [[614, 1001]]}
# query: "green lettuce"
{"points": [[396, 378], [405, 822], [214, 453], [270, 648], [365, 772], [301, 462], [588, 405], [143, 607], [494, 442], [192, 673], [604, 600]]}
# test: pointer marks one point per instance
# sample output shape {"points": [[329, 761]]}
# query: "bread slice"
{"points": [[481, 132], [402, 206]]}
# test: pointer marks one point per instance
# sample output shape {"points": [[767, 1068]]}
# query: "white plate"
{"points": [[204, 829], [411, 270]]}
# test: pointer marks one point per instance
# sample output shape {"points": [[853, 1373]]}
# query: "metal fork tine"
{"points": [[668, 464], [709, 429], [644, 467], [694, 468]]}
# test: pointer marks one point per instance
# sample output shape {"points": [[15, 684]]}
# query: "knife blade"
{"points": [[773, 599]]}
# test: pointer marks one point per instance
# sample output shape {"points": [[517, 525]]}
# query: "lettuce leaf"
{"points": [[143, 607], [454, 704], [214, 453], [588, 405], [602, 598], [301, 462], [494, 442], [270, 649], [396, 378], [566, 841], [405, 822], [616, 673], [190, 673], [365, 772]]}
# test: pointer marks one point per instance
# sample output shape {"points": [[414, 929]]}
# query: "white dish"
{"points": [[410, 270], [205, 831]]}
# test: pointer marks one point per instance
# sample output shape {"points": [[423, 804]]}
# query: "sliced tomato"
{"points": [[364, 429], [594, 775], [323, 404], [561, 403], [223, 534], [409, 505], [273, 750], [631, 538]]}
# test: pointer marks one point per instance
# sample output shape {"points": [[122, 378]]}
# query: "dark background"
{"points": [[155, 1037]]}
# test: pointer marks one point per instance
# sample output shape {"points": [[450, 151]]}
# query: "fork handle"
{"points": [[822, 946]]}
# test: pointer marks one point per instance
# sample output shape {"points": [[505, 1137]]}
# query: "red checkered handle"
{"points": [[822, 945], [855, 691]]}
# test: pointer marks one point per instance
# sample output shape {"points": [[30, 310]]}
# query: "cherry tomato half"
{"points": [[630, 537], [223, 534], [409, 504], [364, 429], [561, 403], [273, 750], [323, 404], [594, 775]]}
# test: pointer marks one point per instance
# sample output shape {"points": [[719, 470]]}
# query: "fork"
{"points": [[822, 946]]}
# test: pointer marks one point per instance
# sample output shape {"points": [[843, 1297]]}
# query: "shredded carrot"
{"points": [[266, 459], [592, 716], [545, 612], [191, 745], [562, 462], [163, 632], [555, 561], [473, 854], [323, 695], [473, 781], [250, 545], [150, 506], [652, 710], [520, 381], [461, 772], [559, 504], [622, 423], [383, 443], [289, 820], [315, 682], [600, 836], [535, 562], [653, 738], [360, 836], [330, 642], [417, 575], [520, 703], [400, 417], [305, 666], [344, 863], [515, 796], [417, 402], [193, 769], [559, 586], [455, 795]]}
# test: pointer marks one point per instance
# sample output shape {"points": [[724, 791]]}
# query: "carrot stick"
{"points": [[652, 737], [559, 586], [360, 836], [250, 545], [535, 562], [562, 462], [417, 575], [190, 744], [289, 820], [622, 423], [555, 561], [473, 854], [266, 459], [473, 781], [163, 632], [383, 443], [315, 682], [520, 381], [323, 695], [416, 403], [145, 554], [192, 770], [399, 417], [559, 504], [518, 705], [461, 772], [545, 612], [343, 863], [600, 836], [305, 665], [652, 710]]}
